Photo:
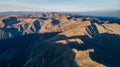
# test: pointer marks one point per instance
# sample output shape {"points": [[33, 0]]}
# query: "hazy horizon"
{"points": [[59, 5]]}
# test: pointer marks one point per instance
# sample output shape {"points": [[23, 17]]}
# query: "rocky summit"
{"points": [[59, 40]]}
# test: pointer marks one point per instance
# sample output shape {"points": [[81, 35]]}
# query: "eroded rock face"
{"points": [[58, 40]]}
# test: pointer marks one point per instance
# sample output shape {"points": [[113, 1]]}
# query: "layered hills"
{"points": [[59, 40]]}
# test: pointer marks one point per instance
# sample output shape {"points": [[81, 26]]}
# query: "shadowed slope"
{"points": [[29, 51], [106, 47]]}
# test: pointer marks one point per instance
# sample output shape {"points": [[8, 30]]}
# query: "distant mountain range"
{"points": [[18, 12], [113, 13]]}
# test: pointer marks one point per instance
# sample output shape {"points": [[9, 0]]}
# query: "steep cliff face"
{"points": [[58, 40]]}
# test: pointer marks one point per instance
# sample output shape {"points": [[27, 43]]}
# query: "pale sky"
{"points": [[59, 5]]}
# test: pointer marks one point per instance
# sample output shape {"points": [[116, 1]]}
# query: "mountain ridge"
{"points": [[58, 40]]}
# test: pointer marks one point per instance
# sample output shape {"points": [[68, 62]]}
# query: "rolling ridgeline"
{"points": [[59, 40]]}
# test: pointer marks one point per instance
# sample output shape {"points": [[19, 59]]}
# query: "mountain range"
{"points": [[55, 39]]}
